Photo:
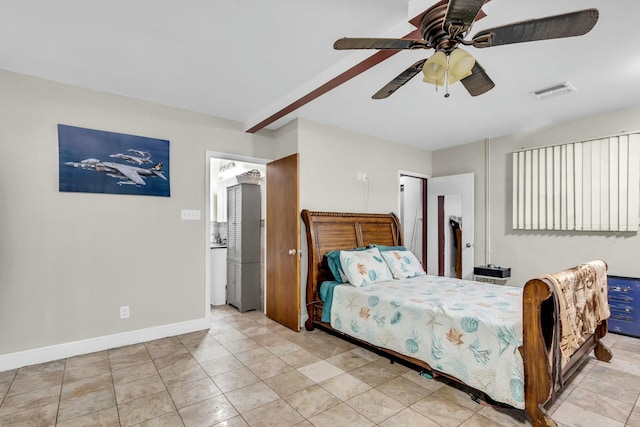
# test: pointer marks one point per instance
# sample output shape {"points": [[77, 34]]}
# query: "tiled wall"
{"points": [[217, 230]]}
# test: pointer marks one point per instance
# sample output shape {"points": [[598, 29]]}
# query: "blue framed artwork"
{"points": [[95, 161]]}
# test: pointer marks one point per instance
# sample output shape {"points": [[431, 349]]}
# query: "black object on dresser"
{"points": [[492, 270], [624, 302]]}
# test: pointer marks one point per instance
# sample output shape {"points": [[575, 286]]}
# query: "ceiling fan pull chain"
{"points": [[446, 79]]}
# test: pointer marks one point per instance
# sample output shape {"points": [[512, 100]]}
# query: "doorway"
{"points": [[222, 170], [437, 219], [412, 214], [450, 226]]}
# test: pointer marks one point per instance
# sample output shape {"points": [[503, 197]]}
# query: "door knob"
{"points": [[292, 251], [468, 245]]}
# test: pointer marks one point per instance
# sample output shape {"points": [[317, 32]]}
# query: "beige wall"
{"points": [[531, 253], [330, 160], [287, 137], [68, 261]]}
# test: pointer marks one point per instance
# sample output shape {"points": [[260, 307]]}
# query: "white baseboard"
{"points": [[91, 345]]}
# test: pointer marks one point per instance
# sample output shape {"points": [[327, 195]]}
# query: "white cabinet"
{"points": [[218, 275], [243, 255]]}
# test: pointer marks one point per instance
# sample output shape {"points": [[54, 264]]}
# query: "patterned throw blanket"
{"points": [[582, 295]]}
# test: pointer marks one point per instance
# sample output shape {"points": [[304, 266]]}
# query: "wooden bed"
{"points": [[544, 375]]}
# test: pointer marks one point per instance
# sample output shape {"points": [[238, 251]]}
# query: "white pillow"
{"points": [[364, 267], [403, 264]]}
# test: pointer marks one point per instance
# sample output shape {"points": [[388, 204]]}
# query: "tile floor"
{"points": [[248, 370]]}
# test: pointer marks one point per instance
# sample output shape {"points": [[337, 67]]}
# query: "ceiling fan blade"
{"points": [[478, 82], [460, 15], [552, 27], [400, 80], [373, 43]]}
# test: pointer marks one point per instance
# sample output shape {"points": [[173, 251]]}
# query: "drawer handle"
{"points": [[623, 318], [618, 289], [620, 298]]}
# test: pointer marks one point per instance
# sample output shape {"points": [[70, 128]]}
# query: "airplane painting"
{"points": [[132, 159], [95, 161]]}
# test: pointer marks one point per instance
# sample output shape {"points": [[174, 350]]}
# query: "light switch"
{"points": [[190, 214]]}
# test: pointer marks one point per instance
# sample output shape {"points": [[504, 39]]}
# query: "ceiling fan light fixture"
{"points": [[435, 68], [460, 65], [441, 68]]}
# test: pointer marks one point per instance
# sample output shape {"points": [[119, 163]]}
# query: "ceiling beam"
{"points": [[341, 78]]}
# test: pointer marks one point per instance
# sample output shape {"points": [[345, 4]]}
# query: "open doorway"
{"points": [[450, 225], [436, 215], [222, 172]]}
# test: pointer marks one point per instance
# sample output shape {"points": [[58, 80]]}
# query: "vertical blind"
{"points": [[589, 185]]}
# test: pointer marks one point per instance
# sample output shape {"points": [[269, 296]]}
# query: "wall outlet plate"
{"points": [[190, 215], [124, 312]]}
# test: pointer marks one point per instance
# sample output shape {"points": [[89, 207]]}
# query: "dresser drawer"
{"points": [[624, 303]]}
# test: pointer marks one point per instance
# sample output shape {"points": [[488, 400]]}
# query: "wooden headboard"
{"points": [[328, 231]]}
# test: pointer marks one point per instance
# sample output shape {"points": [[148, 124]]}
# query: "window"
{"points": [[590, 185]]}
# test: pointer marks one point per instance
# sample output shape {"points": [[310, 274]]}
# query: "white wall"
{"points": [[68, 261], [531, 253]]}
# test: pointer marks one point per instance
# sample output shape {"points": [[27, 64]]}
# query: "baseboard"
{"points": [[91, 345]]}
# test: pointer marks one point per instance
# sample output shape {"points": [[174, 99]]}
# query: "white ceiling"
{"points": [[245, 59]]}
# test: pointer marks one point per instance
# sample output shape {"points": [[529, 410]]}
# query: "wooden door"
{"points": [[283, 242]]}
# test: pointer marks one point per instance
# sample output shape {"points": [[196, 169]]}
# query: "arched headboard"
{"points": [[328, 231]]}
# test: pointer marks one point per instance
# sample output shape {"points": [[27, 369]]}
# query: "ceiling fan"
{"points": [[444, 27]]}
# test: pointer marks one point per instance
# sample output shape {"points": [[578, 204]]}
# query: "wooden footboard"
{"points": [[538, 330], [544, 374]]}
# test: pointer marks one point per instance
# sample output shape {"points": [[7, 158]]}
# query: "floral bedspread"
{"points": [[466, 329]]}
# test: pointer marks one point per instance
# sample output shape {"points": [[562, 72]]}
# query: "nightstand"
{"points": [[491, 274], [489, 279]]}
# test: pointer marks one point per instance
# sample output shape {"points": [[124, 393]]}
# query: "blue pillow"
{"points": [[333, 259], [388, 248]]}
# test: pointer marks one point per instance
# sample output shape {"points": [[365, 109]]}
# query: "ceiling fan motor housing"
{"points": [[433, 31]]}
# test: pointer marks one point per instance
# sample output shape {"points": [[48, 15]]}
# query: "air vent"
{"points": [[557, 89]]}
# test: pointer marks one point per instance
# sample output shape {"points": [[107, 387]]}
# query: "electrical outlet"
{"points": [[362, 176], [124, 312]]}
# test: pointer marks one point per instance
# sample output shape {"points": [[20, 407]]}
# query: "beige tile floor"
{"points": [[248, 370]]}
